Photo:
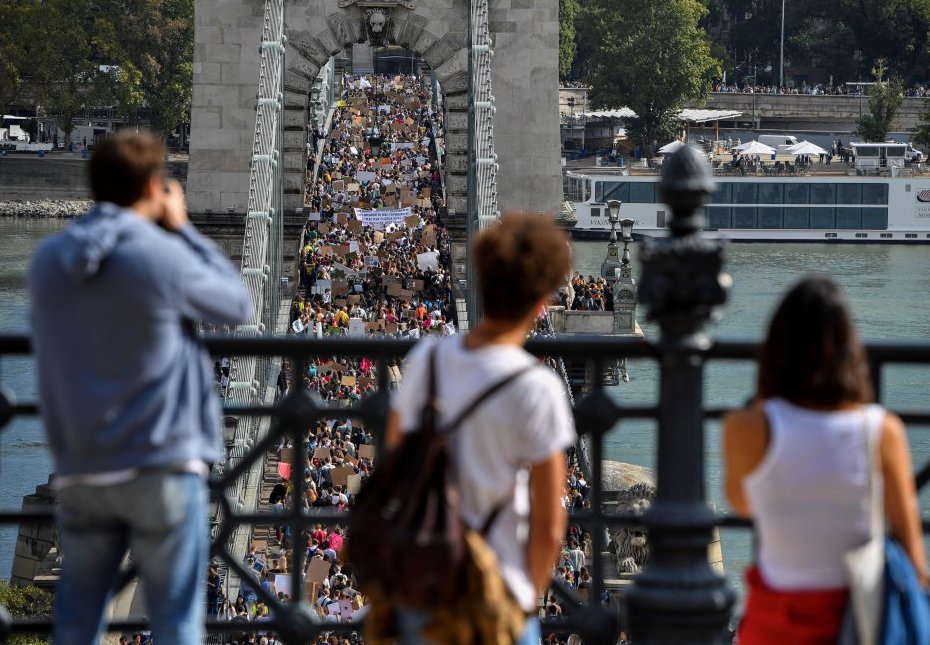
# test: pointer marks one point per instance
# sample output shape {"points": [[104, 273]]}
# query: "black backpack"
{"points": [[406, 535]]}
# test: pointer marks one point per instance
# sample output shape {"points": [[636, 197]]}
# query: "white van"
{"points": [[781, 142]]}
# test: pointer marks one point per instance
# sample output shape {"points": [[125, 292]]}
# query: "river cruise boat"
{"points": [[820, 207]]}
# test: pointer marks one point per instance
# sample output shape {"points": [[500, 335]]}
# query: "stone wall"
{"points": [[817, 112], [31, 177]]}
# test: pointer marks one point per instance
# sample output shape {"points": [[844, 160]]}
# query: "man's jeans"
{"points": [[162, 518], [410, 623]]}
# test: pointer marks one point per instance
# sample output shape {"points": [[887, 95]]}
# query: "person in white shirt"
{"points": [[510, 453]]}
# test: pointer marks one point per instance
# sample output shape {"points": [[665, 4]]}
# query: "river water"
{"points": [[888, 287]]}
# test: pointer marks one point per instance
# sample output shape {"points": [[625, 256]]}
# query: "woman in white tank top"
{"points": [[796, 463]]}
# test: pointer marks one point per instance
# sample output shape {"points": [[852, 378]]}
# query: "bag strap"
{"points": [[430, 411], [871, 427], [484, 396]]}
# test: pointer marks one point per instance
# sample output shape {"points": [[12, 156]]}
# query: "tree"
{"points": [[25, 602], [568, 13], [157, 38], [651, 56], [885, 99], [922, 134], [12, 54], [73, 71]]}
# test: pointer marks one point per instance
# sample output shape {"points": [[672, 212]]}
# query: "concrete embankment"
{"points": [[55, 185]]}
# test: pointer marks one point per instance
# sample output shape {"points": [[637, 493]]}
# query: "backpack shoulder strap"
{"points": [[430, 411], [484, 396]]}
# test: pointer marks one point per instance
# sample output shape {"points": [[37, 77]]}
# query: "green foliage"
{"points": [[74, 54], [840, 36], [922, 134], [25, 602], [568, 13], [157, 40], [651, 56], [885, 99]]}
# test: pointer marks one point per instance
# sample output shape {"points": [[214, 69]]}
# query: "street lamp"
{"points": [[781, 57], [612, 262], [626, 234]]}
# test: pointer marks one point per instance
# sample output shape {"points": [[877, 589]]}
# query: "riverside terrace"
{"points": [[677, 598]]}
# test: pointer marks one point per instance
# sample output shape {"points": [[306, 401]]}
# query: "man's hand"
{"points": [[174, 210]]}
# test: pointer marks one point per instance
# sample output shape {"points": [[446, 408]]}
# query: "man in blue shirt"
{"points": [[127, 391]]}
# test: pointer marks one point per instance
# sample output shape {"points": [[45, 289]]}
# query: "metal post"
{"points": [[781, 57], [584, 116], [678, 598], [471, 272]]}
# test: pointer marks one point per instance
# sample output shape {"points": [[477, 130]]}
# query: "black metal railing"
{"points": [[595, 415]]}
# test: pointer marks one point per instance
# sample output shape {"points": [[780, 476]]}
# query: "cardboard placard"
{"points": [[405, 294], [412, 220], [347, 379], [366, 451], [322, 452], [318, 571], [340, 475], [286, 454], [394, 290], [339, 186], [324, 228], [342, 218]]}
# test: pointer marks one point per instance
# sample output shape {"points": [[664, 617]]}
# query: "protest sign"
{"points": [[383, 217], [341, 475], [345, 609], [318, 571], [365, 176], [355, 226], [282, 583], [394, 290], [412, 220], [341, 218], [428, 260], [322, 452], [324, 228], [313, 216], [347, 379], [366, 451], [297, 326], [356, 330], [286, 454]]}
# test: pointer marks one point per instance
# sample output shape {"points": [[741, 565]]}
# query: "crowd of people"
{"points": [[375, 262]]}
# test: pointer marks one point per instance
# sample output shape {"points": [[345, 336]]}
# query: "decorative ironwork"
{"points": [[678, 597]]}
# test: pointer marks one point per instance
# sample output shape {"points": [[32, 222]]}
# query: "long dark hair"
{"points": [[812, 355]]}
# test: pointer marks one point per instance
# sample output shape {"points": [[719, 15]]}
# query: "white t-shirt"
{"points": [[524, 423]]}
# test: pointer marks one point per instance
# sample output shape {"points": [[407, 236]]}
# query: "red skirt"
{"points": [[797, 617]]}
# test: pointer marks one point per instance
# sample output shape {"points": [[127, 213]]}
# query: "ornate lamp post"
{"points": [[612, 261], [678, 598]]}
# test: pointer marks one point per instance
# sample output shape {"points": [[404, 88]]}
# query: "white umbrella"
{"points": [[806, 148], [756, 148], [669, 148]]}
